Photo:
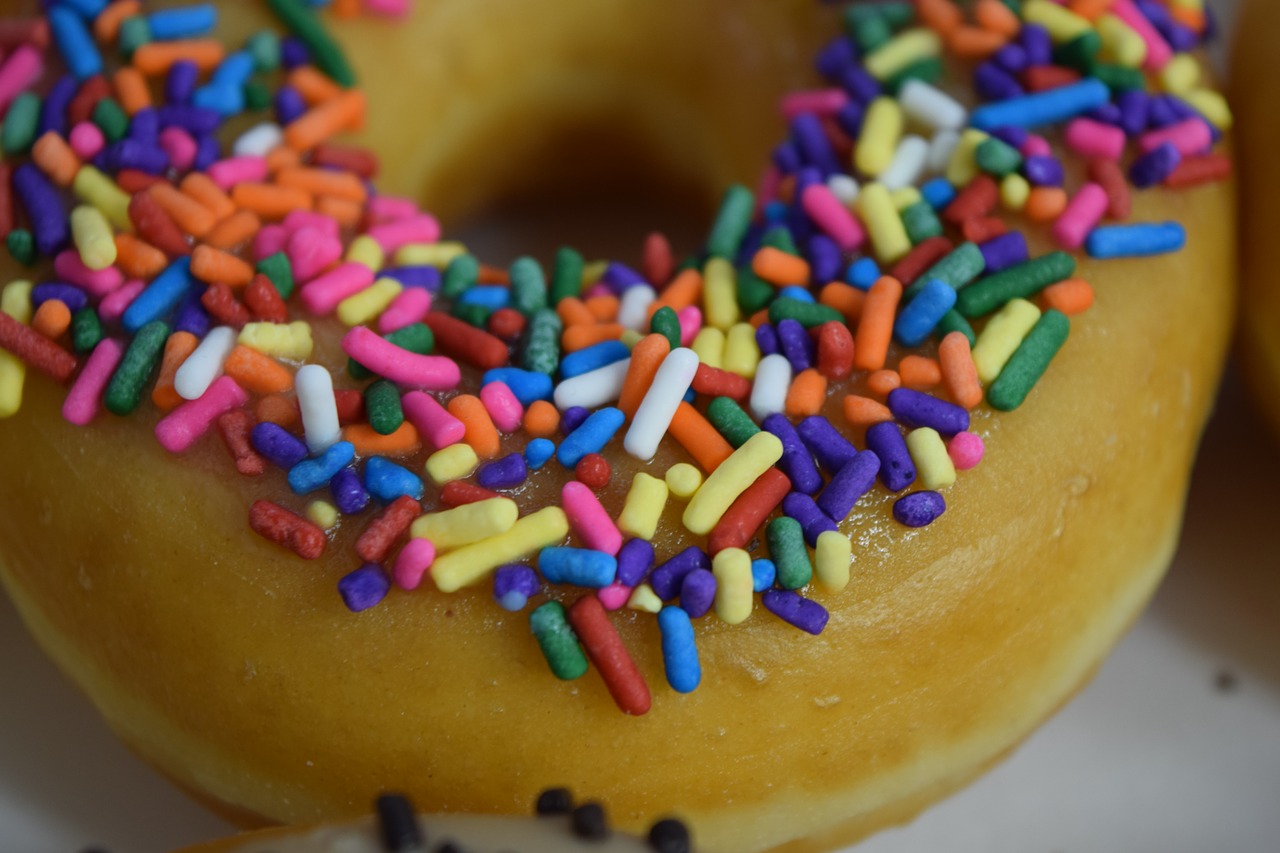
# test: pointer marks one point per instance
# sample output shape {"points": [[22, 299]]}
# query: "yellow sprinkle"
{"points": [[592, 272], [1063, 25], [1212, 105], [888, 235], [95, 188], [904, 49], [643, 509], [93, 238], [683, 480], [363, 307], [881, 130], [741, 352], [719, 294], [1001, 336], [731, 479], [1014, 192], [290, 341], [428, 254], [831, 560], [15, 301], [906, 197], [323, 514], [452, 463], [963, 166], [1181, 74], [709, 346], [644, 599], [462, 525], [933, 464], [631, 337], [1120, 43], [472, 563], [734, 585], [368, 251]]}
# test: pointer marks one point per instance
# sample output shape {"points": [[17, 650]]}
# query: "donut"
{"points": [[558, 825], [739, 536], [1260, 317]]}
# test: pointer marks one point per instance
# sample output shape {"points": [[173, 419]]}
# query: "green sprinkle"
{"points": [[21, 244], [953, 322], [921, 222], [566, 274], [124, 391], [416, 338], [134, 33], [558, 642], [731, 421], [382, 407], [786, 546], [731, 222], [542, 343], [807, 314], [997, 157], [264, 47], [1029, 361], [665, 322], [111, 119], [1081, 53], [307, 26], [257, 96], [779, 237], [528, 286], [898, 15], [86, 330], [475, 315], [957, 268], [867, 26], [278, 269], [927, 70], [460, 276], [20, 124], [753, 292], [1118, 78], [1024, 280]]}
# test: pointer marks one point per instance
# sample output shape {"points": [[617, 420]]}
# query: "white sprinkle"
{"points": [[941, 147], [314, 385], [593, 389], [653, 415], [844, 187], [932, 107], [769, 393], [907, 165], [633, 310], [204, 364], [258, 140]]}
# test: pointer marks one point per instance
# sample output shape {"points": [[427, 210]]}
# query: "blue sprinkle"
{"points": [[1134, 241], [864, 272], [763, 574], [591, 436], [387, 481], [364, 587], [921, 315], [182, 22], [310, 474], [1042, 108], [583, 567], [528, 385], [939, 193], [538, 451], [160, 297], [488, 296], [592, 358], [796, 292], [679, 651], [79, 50]]}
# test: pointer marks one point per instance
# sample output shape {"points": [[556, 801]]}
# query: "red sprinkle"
{"points": [[720, 383], [978, 198], [82, 105], [236, 427], [464, 342], [604, 647], [350, 404], [920, 258], [135, 180], [156, 227], [220, 301], [506, 323], [658, 262], [459, 492], [593, 470], [274, 522], [375, 542], [19, 31], [1040, 78], [6, 200], [35, 349], [264, 302], [1108, 175], [344, 158], [835, 350], [1207, 169], [980, 229], [745, 515]]}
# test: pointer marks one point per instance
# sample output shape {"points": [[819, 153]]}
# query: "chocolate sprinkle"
{"points": [[589, 821], [554, 801], [398, 824], [670, 836]]}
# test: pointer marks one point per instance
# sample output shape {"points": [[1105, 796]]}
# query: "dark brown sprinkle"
{"points": [[1226, 681], [670, 836], [589, 821], [553, 801], [450, 847], [398, 824]]}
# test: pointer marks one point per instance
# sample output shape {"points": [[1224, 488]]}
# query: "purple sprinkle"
{"points": [[786, 157], [796, 462], [573, 418], [697, 592], [1011, 58], [132, 154], [850, 118], [144, 127], [293, 53], [44, 209], [919, 508], [1155, 13], [1184, 111], [824, 259], [1001, 253], [1043, 171], [1035, 40], [208, 152], [289, 105], [835, 56], [1015, 137], [667, 578], [191, 315], [897, 471], [194, 120], [349, 494], [1135, 111], [514, 585], [917, 409], [796, 344], [503, 473], [68, 294], [1154, 166], [767, 339], [813, 521], [853, 481], [993, 83], [826, 443], [1180, 37], [1107, 114], [813, 144], [796, 610], [364, 587], [53, 112], [635, 559], [180, 82], [279, 446], [424, 277], [860, 85]]}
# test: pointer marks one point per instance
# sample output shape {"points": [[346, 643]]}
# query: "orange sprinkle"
{"points": [[256, 372], [369, 442], [1045, 204], [55, 158], [1193, 18], [202, 188], [157, 57], [959, 375], [177, 348], [574, 312], [845, 298], [541, 419], [777, 267], [209, 265], [875, 328], [346, 8], [1071, 297], [279, 410], [188, 214], [323, 182], [490, 274], [480, 433], [234, 231], [345, 212], [941, 15], [696, 435], [1090, 9], [759, 318], [646, 358], [322, 122], [137, 258], [312, 85], [806, 395], [919, 373], [282, 157], [881, 382], [131, 89], [603, 308], [995, 17], [106, 27], [863, 411], [684, 290], [581, 337], [52, 319], [270, 202], [974, 42]]}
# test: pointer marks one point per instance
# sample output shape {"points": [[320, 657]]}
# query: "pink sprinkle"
{"points": [[597, 289], [432, 420], [180, 147], [422, 228], [238, 170], [588, 518], [1190, 137], [503, 407], [408, 308], [19, 73], [822, 206], [96, 283], [428, 372], [321, 295], [269, 240], [823, 102], [614, 595], [389, 208], [1158, 51], [86, 140], [1082, 214], [1091, 139], [388, 8], [690, 323], [184, 426], [1036, 146], [311, 251], [965, 450], [412, 563], [114, 304], [299, 219], [85, 398]]}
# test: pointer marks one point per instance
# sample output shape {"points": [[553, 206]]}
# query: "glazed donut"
{"points": [[1260, 302], [228, 655]]}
